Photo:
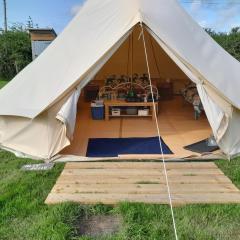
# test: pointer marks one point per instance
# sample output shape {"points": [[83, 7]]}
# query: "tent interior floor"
{"points": [[176, 120]]}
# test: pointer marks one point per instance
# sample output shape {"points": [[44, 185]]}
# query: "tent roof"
{"points": [[94, 31]]}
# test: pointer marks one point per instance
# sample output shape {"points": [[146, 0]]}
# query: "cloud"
{"points": [[203, 24], [228, 16], [75, 9], [219, 15]]}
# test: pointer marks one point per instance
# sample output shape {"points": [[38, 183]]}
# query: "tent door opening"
{"points": [[181, 116]]}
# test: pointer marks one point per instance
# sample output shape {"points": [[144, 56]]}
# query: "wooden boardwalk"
{"points": [[112, 182]]}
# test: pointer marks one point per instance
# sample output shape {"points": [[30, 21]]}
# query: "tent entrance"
{"points": [[176, 119]]}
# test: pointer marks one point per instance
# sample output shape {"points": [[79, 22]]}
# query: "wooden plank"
{"points": [[54, 198], [210, 198], [194, 172], [140, 172], [125, 115], [122, 103], [199, 198], [142, 179], [144, 188], [110, 183], [136, 165]]}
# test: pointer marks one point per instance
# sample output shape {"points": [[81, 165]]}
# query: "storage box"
{"points": [[132, 111], [143, 112], [97, 112], [116, 112]]}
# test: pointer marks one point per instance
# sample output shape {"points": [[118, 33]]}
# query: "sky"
{"points": [[220, 15]]}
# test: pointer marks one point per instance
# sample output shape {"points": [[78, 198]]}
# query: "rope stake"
{"points": [[159, 135]]}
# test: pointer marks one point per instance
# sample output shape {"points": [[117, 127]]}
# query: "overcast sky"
{"points": [[221, 15]]}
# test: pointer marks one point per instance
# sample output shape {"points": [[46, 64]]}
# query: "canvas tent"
{"points": [[38, 113]]}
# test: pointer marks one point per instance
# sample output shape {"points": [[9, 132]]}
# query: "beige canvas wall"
{"points": [[130, 57]]}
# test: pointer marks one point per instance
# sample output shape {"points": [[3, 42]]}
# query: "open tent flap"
{"points": [[67, 114], [51, 131], [218, 110], [230, 142], [216, 117]]}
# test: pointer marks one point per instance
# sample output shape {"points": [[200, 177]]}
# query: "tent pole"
{"points": [[132, 61], [155, 57], [128, 57], [159, 135]]}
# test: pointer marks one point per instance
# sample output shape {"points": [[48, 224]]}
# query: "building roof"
{"points": [[42, 31]]}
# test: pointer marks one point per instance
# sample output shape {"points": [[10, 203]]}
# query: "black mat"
{"points": [[201, 147]]}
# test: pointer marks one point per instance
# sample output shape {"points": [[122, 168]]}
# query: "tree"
{"points": [[15, 51], [229, 41], [30, 23]]}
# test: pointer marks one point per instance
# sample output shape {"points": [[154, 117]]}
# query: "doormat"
{"points": [[112, 147], [201, 147], [38, 167]]}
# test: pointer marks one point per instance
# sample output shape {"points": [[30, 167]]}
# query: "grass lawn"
{"points": [[23, 214], [2, 83]]}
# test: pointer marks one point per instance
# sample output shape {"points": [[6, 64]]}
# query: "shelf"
{"points": [[130, 116]]}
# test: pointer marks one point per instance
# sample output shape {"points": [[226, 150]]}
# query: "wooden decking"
{"points": [[110, 183]]}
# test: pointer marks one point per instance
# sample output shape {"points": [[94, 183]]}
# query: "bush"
{"points": [[15, 52]]}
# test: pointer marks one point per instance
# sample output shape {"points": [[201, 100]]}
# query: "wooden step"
{"points": [[141, 165], [144, 188], [114, 182], [178, 199]]}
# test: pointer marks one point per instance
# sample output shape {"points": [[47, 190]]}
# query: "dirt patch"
{"points": [[98, 226]]}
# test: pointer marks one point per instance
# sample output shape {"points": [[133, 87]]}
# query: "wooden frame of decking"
{"points": [[113, 182]]}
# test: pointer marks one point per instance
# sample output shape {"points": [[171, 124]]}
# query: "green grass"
{"points": [[3, 83], [23, 214]]}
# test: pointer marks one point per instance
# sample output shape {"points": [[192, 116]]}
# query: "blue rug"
{"points": [[112, 147]]}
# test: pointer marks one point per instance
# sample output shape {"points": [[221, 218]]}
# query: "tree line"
{"points": [[229, 41], [16, 53]]}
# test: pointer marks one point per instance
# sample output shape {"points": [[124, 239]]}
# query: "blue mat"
{"points": [[112, 147]]}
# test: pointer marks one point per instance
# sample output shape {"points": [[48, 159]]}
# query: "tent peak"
{"points": [[139, 16]]}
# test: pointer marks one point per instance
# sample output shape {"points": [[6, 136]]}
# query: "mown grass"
{"points": [[23, 214]]}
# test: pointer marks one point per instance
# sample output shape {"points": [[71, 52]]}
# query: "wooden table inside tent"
{"points": [[121, 103]]}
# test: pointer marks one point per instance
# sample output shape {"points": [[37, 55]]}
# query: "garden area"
{"points": [[23, 214]]}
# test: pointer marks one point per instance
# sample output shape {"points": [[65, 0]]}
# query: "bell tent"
{"points": [[40, 114]]}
